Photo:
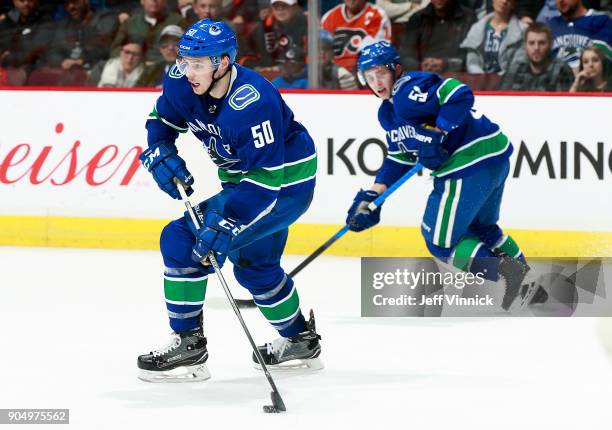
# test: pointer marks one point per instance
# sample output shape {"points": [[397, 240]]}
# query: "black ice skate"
{"points": [[521, 288], [182, 360], [297, 352]]}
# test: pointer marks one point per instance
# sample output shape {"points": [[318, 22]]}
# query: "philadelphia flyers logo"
{"points": [[348, 39]]}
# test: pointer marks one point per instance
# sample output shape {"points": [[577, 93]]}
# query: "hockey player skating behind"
{"points": [[432, 120], [266, 162]]}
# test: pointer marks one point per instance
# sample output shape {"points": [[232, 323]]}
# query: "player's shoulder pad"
{"points": [[409, 80], [414, 88], [250, 91], [175, 82], [174, 72]]}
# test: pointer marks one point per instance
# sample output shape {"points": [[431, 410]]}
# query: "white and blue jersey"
{"points": [[251, 135], [570, 37], [422, 98]]}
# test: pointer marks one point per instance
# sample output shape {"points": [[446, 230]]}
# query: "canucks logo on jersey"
{"points": [[220, 154], [243, 96]]}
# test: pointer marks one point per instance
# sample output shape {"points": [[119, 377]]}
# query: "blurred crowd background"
{"points": [[536, 45]]}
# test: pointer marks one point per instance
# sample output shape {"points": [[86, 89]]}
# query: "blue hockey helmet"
{"points": [[207, 38], [377, 54]]}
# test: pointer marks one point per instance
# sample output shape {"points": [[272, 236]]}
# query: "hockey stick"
{"points": [[249, 303], [277, 402]]}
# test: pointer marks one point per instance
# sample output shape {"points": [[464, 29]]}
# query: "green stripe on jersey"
{"points": [[299, 171], [155, 115], [447, 89], [288, 174], [185, 291], [265, 178], [474, 152], [283, 309], [402, 157]]}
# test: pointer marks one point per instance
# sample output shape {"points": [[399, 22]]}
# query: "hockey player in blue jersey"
{"points": [[432, 120], [266, 163]]}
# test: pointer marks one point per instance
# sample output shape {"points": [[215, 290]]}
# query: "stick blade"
{"points": [[277, 401]]}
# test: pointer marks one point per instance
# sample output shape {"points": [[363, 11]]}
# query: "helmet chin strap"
{"points": [[215, 80]]}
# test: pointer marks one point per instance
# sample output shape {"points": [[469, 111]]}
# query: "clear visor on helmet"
{"points": [[197, 65], [370, 75]]}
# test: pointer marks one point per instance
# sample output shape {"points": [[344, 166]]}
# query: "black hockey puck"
{"points": [[269, 409]]}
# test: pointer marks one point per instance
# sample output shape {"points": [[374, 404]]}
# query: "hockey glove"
{"points": [[164, 163], [429, 145], [215, 236], [359, 216]]}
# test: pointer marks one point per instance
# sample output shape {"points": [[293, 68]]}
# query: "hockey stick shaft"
{"points": [[409, 174], [231, 300], [248, 303]]}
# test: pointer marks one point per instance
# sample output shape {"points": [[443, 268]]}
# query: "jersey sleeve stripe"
{"points": [[402, 158], [449, 87], [155, 115]]}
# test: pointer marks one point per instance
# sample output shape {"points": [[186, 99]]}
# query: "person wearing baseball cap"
{"points": [[284, 27], [153, 74], [293, 70]]}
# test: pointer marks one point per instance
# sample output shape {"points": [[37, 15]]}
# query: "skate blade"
{"points": [[195, 373], [521, 302], [310, 364]]}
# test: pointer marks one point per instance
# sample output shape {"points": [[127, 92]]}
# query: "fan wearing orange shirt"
{"points": [[354, 24]]}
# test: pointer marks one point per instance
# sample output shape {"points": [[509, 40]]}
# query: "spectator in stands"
{"points": [[293, 70], [153, 75], [124, 70], [479, 7], [213, 9], [591, 76], [287, 26], [83, 39], [433, 36], [355, 24], [544, 10], [493, 41], [333, 76], [25, 33], [400, 11], [147, 22], [182, 7], [539, 71], [578, 28], [123, 8], [202, 9]]}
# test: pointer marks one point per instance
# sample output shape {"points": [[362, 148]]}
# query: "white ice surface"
{"points": [[72, 323]]}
